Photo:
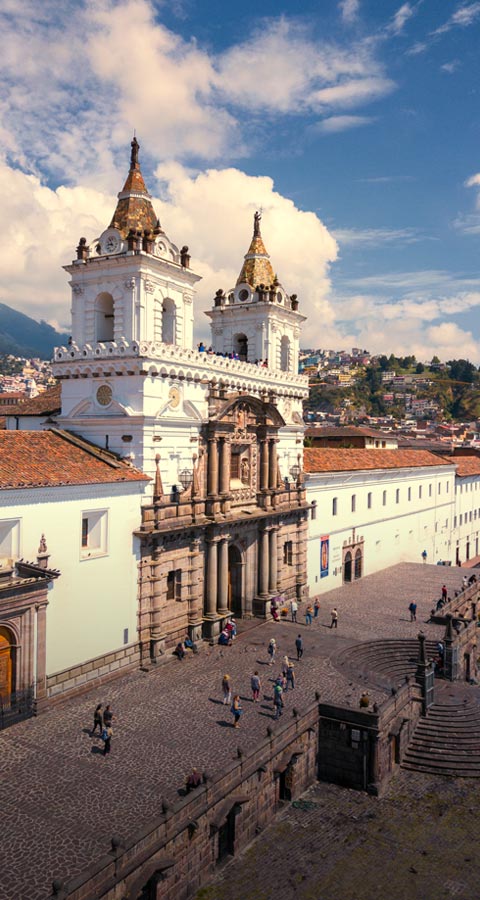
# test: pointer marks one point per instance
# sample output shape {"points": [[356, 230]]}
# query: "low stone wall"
{"points": [[77, 678]]}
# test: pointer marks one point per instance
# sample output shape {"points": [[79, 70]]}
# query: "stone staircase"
{"points": [[382, 663], [447, 740]]}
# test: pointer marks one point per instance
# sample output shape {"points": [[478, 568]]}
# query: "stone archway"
{"points": [[235, 579], [347, 567], [7, 664]]}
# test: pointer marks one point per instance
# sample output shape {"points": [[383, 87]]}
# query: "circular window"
{"points": [[243, 295], [104, 395]]}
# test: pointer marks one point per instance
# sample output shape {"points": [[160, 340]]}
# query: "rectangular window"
{"points": [[174, 584], [334, 506], [429, 490], [384, 498], [409, 493], [397, 495], [235, 466], [288, 553], [420, 492], [369, 500], [447, 486], [94, 536], [439, 487], [354, 502], [9, 539]]}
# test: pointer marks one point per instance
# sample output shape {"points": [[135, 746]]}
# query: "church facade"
{"points": [[220, 431]]}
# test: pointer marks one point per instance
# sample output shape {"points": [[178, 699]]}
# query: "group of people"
{"points": [[102, 719], [311, 611], [228, 634], [233, 355], [183, 646]]}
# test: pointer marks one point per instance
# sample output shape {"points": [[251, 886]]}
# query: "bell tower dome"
{"points": [[257, 321]]}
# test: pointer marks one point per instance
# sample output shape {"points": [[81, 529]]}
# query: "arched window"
{"points": [[104, 318], [347, 567], [285, 354], [240, 346], [169, 318]]}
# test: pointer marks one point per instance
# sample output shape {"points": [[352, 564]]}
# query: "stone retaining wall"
{"points": [[77, 678], [177, 853]]}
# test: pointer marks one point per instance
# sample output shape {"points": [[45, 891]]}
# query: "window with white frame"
{"points": [[384, 498], [429, 490], [94, 536], [419, 491], [409, 493], [397, 495], [354, 502], [334, 506], [9, 539], [369, 499]]}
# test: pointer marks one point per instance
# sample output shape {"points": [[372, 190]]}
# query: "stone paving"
{"points": [[62, 800], [418, 842]]}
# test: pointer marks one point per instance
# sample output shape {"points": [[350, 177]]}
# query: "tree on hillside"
{"points": [[419, 368]]}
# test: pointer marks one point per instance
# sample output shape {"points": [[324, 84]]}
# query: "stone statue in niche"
{"points": [[245, 471]]}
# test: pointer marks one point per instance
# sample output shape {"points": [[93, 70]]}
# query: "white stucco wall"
{"points": [[393, 532], [95, 598], [467, 517]]}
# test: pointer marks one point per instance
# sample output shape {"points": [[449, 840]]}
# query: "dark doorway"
{"points": [[235, 569], [347, 567], [467, 552], [226, 837], [468, 673], [358, 564], [286, 783]]}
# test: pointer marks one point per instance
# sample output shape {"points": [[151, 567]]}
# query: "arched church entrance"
{"points": [[7, 664], [235, 570], [347, 567]]}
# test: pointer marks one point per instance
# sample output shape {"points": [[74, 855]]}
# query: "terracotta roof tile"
{"points": [[336, 460], [467, 465], [51, 459], [45, 404]]}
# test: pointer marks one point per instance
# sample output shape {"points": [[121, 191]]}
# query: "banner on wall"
{"points": [[324, 555]]}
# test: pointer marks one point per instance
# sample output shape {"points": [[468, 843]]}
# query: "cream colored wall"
{"points": [[94, 599]]}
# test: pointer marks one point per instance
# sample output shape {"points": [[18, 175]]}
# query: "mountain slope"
{"points": [[21, 335]]}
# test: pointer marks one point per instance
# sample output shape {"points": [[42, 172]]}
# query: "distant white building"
{"points": [[375, 508]]}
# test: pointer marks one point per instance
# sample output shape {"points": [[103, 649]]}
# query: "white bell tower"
{"points": [[132, 309], [257, 321]]}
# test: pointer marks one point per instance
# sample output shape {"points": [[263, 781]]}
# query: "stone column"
{"points": [[212, 578], [223, 577], [41, 657], [272, 465], [224, 467], [263, 465], [159, 592], [195, 610], [263, 566], [212, 487], [272, 585]]}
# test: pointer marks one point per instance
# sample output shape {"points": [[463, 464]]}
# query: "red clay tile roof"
{"points": [[336, 460], [467, 465], [45, 404], [343, 431], [54, 458]]}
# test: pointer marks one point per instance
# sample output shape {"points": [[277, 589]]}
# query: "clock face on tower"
{"points": [[104, 395], [110, 243]]}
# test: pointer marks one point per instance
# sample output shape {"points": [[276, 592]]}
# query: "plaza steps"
{"points": [[447, 740], [384, 663]]}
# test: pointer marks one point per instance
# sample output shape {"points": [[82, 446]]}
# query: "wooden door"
{"points": [[6, 666]]}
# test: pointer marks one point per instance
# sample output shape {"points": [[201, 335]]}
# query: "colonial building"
{"points": [[374, 508], [211, 519]]}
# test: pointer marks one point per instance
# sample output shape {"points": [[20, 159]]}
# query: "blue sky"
{"points": [[354, 124]]}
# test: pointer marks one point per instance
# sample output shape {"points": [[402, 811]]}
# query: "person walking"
{"points": [[278, 700], [256, 686], [334, 615], [237, 710], [413, 611], [108, 717], [308, 614], [293, 610], [226, 689], [97, 719], [290, 677], [107, 739], [271, 650], [316, 607], [444, 592], [424, 556], [299, 646], [285, 664]]}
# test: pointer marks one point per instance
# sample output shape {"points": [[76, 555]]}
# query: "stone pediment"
{"points": [[88, 408], [249, 411]]}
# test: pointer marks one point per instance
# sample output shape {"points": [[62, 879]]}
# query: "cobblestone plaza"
{"points": [[62, 800]]}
